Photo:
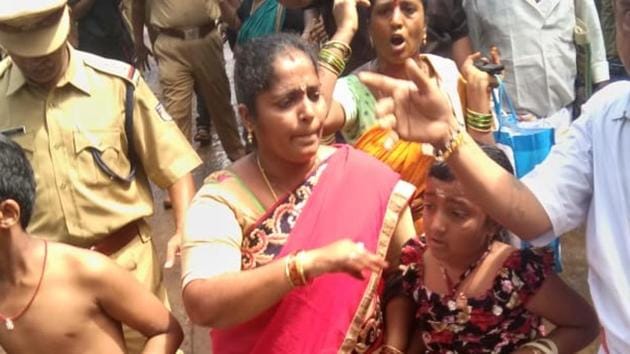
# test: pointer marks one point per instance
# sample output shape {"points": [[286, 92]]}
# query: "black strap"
{"points": [[131, 151]]}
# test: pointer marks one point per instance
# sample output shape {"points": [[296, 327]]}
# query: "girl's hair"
{"points": [[254, 71], [441, 171]]}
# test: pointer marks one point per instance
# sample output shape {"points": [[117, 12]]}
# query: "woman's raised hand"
{"points": [[345, 13], [416, 109], [343, 256]]}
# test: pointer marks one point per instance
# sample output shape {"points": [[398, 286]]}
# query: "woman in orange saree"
{"points": [[398, 31]]}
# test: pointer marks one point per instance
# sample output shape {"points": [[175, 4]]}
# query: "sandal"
{"points": [[202, 136]]}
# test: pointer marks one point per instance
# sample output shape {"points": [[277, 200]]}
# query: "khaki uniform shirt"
{"points": [[77, 202], [183, 14]]}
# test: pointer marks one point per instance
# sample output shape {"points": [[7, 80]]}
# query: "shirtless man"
{"points": [[60, 299]]}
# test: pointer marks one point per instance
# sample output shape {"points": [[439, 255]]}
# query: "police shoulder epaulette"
{"points": [[112, 67]]}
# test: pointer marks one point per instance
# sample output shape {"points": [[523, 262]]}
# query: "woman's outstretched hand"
{"points": [[343, 256], [416, 109]]}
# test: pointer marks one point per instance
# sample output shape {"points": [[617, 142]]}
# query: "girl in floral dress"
{"points": [[461, 290]]}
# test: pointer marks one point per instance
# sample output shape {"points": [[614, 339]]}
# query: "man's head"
{"points": [[622, 21], [34, 33], [17, 185]]}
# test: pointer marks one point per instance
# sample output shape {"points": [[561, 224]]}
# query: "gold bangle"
{"points": [[477, 119], [287, 270], [478, 125], [390, 349], [293, 271], [342, 47], [480, 130], [457, 136], [329, 68], [542, 346], [477, 114], [333, 59], [299, 261]]}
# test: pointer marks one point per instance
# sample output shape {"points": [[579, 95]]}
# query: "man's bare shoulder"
{"points": [[81, 264]]}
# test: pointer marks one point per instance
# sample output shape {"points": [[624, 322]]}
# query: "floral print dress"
{"points": [[496, 322]]}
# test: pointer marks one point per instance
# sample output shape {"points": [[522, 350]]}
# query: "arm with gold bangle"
{"points": [[332, 54], [478, 113]]}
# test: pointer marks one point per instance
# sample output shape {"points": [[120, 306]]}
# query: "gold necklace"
{"points": [[264, 176]]}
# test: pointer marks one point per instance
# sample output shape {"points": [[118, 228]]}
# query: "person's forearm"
{"points": [[226, 300], [167, 342], [460, 50], [504, 198], [572, 339], [181, 193], [326, 77], [399, 315], [138, 13], [478, 100]]}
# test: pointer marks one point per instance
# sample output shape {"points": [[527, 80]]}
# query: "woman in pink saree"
{"points": [[284, 251]]}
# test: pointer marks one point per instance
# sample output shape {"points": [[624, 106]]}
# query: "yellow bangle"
{"points": [[457, 137], [287, 269], [299, 262], [390, 349], [342, 47], [331, 60]]}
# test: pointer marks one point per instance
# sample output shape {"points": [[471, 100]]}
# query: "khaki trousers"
{"points": [[140, 258], [184, 63]]}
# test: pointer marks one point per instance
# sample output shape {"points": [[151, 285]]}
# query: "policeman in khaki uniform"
{"points": [[189, 50], [67, 109]]}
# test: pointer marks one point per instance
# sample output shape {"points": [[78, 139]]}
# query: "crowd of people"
{"points": [[367, 206]]}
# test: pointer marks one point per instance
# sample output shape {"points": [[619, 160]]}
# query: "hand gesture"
{"points": [[479, 84], [343, 256], [417, 110], [315, 32], [345, 13]]}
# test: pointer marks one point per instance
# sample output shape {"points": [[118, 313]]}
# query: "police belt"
{"points": [[118, 239], [189, 33]]}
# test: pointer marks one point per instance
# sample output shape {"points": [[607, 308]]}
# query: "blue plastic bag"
{"points": [[528, 147]]}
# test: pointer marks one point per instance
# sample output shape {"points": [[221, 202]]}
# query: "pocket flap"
{"points": [[100, 140]]}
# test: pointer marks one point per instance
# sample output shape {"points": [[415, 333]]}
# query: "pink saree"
{"points": [[356, 197]]}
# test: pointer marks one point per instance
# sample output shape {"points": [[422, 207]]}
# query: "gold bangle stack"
{"points": [[390, 349], [457, 137], [479, 121], [334, 55], [294, 269], [542, 345]]}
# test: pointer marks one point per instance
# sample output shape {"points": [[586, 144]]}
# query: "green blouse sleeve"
{"points": [[359, 106]]}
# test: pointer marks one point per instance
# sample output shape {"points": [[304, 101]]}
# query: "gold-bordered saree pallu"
{"points": [[355, 197]]}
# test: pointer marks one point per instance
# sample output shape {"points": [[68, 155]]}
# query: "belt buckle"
{"points": [[191, 33]]}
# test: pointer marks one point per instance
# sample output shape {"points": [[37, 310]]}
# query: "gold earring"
{"points": [[250, 137]]}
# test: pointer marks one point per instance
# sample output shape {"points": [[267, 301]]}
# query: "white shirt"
{"points": [[537, 48], [587, 178]]}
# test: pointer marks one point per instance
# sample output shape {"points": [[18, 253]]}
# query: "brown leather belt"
{"points": [[190, 33], [118, 239]]}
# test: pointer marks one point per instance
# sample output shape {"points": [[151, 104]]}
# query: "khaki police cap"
{"points": [[33, 28]]}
